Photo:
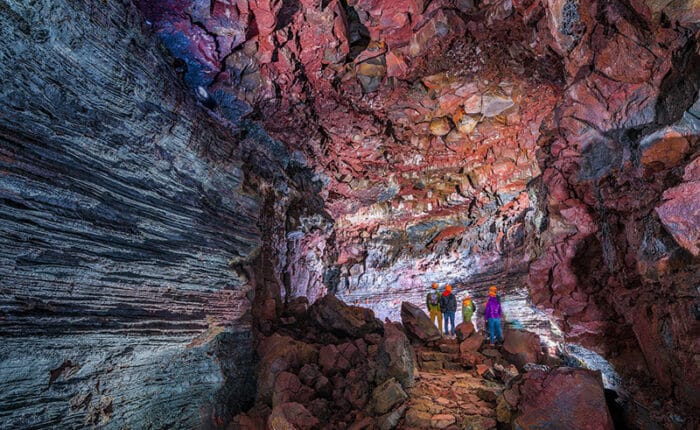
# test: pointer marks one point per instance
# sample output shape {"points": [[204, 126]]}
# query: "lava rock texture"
{"points": [[129, 220], [546, 146], [549, 147]]}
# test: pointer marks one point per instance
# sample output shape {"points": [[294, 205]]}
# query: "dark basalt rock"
{"points": [[417, 323], [561, 398], [396, 358], [332, 314]]}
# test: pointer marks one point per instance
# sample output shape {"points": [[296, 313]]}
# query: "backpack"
{"points": [[434, 298]]}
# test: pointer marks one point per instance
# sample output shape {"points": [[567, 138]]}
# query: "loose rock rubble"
{"points": [[358, 373]]}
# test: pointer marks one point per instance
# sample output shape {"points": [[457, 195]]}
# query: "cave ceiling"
{"points": [[538, 145]]}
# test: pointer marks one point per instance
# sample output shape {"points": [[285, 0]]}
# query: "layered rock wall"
{"points": [[127, 219]]}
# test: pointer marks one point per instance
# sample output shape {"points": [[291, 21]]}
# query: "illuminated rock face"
{"points": [[536, 145], [547, 147]]}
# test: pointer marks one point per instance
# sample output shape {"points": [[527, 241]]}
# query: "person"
{"points": [[492, 315], [468, 309], [448, 306], [432, 301]]}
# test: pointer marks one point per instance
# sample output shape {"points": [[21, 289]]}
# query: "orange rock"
{"points": [[395, 65], [666, 151], [440, 126]]}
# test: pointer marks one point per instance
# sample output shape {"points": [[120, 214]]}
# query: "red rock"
{"points": [[357, 391], [618, 54], [562, 398], [277, 354], [332, 314], [448, 233], [680, 215], [471, 344], [665, 152], [464, 330], [521, 347], [366, 423], [395, 65], [442, 421], [481, 369], [246, 422], [291, 416], [433, 31], [470, 359], [332, 361], [395, 357], [308, 374], [351, 353], [288, 388]]}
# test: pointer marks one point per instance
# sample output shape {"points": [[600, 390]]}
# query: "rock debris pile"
{"points": [[336, 366]]}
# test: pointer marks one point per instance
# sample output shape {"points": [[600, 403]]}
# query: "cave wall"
{"points": [[124, 211], [544, 146], [549, 147], [420, 122], [618, 266]]}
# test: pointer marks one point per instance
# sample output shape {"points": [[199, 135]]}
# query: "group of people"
{"points": [[444, 306]]}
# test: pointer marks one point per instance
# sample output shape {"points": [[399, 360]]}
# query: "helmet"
{"points": [[492, 290], [448, 287], [434, 286]]}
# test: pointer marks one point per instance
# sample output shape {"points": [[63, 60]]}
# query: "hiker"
{"points": [[468, 309], [448, 306], [432, 300], [492, 315]]}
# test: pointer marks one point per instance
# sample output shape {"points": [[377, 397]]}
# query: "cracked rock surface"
{"points": [[180, 179]]}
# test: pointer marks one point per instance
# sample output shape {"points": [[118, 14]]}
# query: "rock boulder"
{"points": [[291, 416], [386, 396], [334, 315], [464, 330], [563, 398], [521, 347], [418, 324], [395, 358]]}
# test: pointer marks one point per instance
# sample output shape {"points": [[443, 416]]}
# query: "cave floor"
{"points": [[448, 396]]}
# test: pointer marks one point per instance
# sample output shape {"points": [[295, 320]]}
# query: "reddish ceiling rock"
{"points": [[680, 210], [535, 144]]}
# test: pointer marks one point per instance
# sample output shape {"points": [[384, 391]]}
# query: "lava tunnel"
{"points": [[230, 214]]}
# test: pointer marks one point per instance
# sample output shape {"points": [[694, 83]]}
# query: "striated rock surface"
{"points": [[129, 219]]}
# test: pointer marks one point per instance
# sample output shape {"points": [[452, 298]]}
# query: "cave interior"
{"points": [[222, 214]]}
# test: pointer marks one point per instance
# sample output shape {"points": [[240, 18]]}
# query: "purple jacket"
{"points": [[493, 308]]}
